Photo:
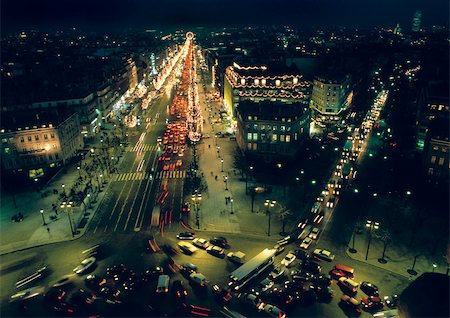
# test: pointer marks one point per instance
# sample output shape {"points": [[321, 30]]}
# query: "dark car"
{"points": [[350, 304], [219, 241], [369, 289], [324, 293], [188, 268], [185, 236], [81, 301], [179, 294], [94, 282], [151, 274], [391, 301], [168, 249], [312, 267], [301, 254], [322, 280], [110, 292], [221, 294], [281, 296], [117, 272]]}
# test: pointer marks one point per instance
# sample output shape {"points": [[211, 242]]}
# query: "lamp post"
{"points": [[412, 271], [64, 188], [225, 179], [231, 204], [196, 198], [434, 267], [269, 204], [79, 171], [43, 218], [371, 225], [221, 161], [89, 200], [68, 206]]}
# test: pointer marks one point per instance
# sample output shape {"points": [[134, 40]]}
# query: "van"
{"points": [[237, 257], [348, 284], [163, 284], [342, 271]]}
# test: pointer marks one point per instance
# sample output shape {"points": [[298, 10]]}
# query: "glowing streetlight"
{"points": [[269, 204], [371, 225], [43, 218]]}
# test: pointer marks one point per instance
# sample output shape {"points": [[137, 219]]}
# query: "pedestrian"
{"points": [[48, 229], [216, 178]]}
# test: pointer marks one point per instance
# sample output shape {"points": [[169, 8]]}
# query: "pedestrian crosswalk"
{"points": [[142, 148], [133, 176]]}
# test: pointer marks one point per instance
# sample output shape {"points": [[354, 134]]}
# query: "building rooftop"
{"points": [[17, 121]]}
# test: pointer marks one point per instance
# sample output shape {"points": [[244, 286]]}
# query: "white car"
{"points": [[276, 272], [187, 248], [323, 254], [306, 243], [201, 243], [288, 259], [314, 233], [85, 265], [28, 293]]}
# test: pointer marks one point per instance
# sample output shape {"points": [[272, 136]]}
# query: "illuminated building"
{"points": [[32, 143], [257, 83], [437, 147], [330, 96], [416, 22], [271, 129]]}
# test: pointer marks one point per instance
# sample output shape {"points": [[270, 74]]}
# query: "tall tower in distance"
{"points": [[417, 19]]}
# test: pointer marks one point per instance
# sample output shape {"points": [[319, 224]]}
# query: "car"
{"points": [[263, 286], [273, 311], [185, 236], [392, 313], [325, 191], [82, 298], [27, 293], [348, 286], [322, 280], [301, 254], [65, 280], [312, 267], [219, 241], [288, 260], [188, 268], [330, 203], [86, 264], [151, 274], [350, 304], [110, 293], [221, 294], [320, 198], [55, 296], [369, 289], [314, 234], [306, 243], [315, 208], [324, 293], [391, 301], [372, 302], [200, 243], [198, 279], [323, 254], [94, 282], [278, 249], [250, 300], [277, 272], [179, 294], [187, 248], [216, 251]]}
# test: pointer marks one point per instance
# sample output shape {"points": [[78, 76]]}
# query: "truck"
{"points": [[237, 257], [348, 146]]}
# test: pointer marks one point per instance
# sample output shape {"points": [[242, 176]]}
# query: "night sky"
{"points": [[18, 14]]}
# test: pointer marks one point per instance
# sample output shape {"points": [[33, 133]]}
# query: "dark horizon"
{"points": [[114, 15]]}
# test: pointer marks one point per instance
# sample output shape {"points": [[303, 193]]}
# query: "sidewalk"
{"points": [[32, 232], [399, 258]]}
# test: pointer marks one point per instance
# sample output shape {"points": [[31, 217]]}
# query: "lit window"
{"points": [[255, 136], [6, 150], [255, 147], [29, 138], [274, 137], [435, 148], [277, 83], [52, 135], [282, 138], [249, 136], [288, 138], [441, 161], [433, 159], [249, 146], [283, 128], [274, 128], [36, 137], [45, 136]]}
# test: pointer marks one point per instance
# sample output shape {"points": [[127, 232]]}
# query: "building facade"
{"points": [[33, 144], [331, 96], [256, 83], [270, 129]]}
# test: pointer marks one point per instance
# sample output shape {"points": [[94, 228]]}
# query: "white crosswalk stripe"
{"points": [[176, 174], [142, 148], [131, 176]]}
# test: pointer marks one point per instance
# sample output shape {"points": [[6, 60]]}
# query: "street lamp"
{"points": [[226, 182], [196, 198], [43, 218], [434, 267], [231, 203], [371, 225], [79, 171], [269, 204], [221, 161], [64, 188], [63, 206]]}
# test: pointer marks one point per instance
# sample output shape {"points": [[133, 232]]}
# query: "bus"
{"points": [[251, 269], [346, 170], [348, 147]]}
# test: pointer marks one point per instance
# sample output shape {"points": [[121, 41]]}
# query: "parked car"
{"points": [[288, 260], [323, 254], [250, 300], [236, 257], [372, 302], [221, 294], [312, 267], [278, 249], [314, 233], [277, 272], [86, 264], [200, 243], [350, 304], [185, 236], [273, 311], [369, 289], [306, 243], [219, 241], [216, 251], [391, 301], [188, 268], [322, 280], [263, 286], [340, 270]]}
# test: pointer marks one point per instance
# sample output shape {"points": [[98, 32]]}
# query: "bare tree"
{"points": [[283, 213], [385, 237]]}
